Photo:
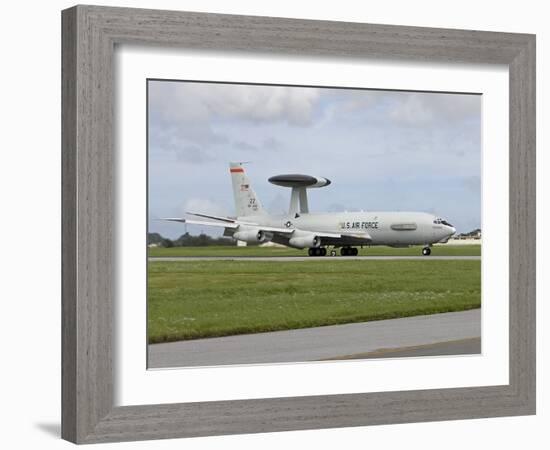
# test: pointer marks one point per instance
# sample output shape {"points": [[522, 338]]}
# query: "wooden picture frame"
{"points": [[89, 37]]}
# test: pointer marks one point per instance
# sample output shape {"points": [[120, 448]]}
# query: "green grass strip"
{"points": [[191, 300]]}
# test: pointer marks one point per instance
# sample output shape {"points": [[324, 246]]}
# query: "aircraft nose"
{"points": [[452, 230]]}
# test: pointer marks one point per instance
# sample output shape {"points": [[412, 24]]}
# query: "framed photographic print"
{"points": [[267, 222]]}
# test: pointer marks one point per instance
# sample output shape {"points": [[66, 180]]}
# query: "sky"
{"points": [[382, 150]]}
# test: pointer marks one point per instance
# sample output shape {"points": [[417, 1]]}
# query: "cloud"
{"points": [[278, 204], [198, 102], [191, 143], [266, 144], [423, 108], [472, 183], [272, 143], [242, 145], [353, 100], [197, 121], [193, 154], [339, 207], [413, 110], [205, 206]]}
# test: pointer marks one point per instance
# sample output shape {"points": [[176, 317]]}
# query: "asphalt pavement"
{"points": [[309, 258], [429, 335]]}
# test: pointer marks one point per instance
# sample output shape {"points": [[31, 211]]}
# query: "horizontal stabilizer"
{"points": [[202, 222], [206, 216]]}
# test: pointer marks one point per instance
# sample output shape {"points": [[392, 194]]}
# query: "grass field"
{"points": [[190, 300], [441, 250]]}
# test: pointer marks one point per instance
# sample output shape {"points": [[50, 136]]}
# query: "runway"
{"points": [[310, 258], [431, 335]]}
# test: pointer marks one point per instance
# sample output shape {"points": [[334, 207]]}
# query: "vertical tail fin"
{"points": [[246, 201]]}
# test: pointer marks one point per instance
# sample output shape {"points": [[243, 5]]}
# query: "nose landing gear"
{"points": [[426, 251]]}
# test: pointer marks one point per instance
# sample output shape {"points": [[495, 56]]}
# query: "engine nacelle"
{"points": [[252, 236], [306, 241]]}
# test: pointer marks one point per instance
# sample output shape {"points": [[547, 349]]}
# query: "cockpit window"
{"points": [[440, 221]]}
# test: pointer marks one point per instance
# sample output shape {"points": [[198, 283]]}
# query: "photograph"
{"points": [[311, 223]]}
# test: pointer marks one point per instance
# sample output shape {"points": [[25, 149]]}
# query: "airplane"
{"points": [[301, 229]]}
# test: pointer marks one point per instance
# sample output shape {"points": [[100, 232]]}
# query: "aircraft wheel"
{"points": [[345, 251], [323, 251], [426, 251], [354, 251], [311, 252]]}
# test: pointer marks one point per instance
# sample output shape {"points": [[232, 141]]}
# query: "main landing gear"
{"points": [[349, 251], [317, 251], [321, 251], [426, 251]]}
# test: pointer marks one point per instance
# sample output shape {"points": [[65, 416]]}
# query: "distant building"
{"points": [[472, 235]]}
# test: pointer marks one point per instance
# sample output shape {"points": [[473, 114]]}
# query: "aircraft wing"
{"points": [[342, 239], [202, 222], [206, 216], [226, 222], [233, 225], [364, 235]]}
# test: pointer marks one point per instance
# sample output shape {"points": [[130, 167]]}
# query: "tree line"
{"points": [[188, 240]]}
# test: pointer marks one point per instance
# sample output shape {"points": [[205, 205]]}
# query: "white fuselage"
{"points": [[384, 228]]}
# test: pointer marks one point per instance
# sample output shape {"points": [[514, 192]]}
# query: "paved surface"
{"points": [[306, 258], [469, 346], [321, 343]]}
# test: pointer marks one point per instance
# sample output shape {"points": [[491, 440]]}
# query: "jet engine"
{"points": [[252, 236], [306, 241]]}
